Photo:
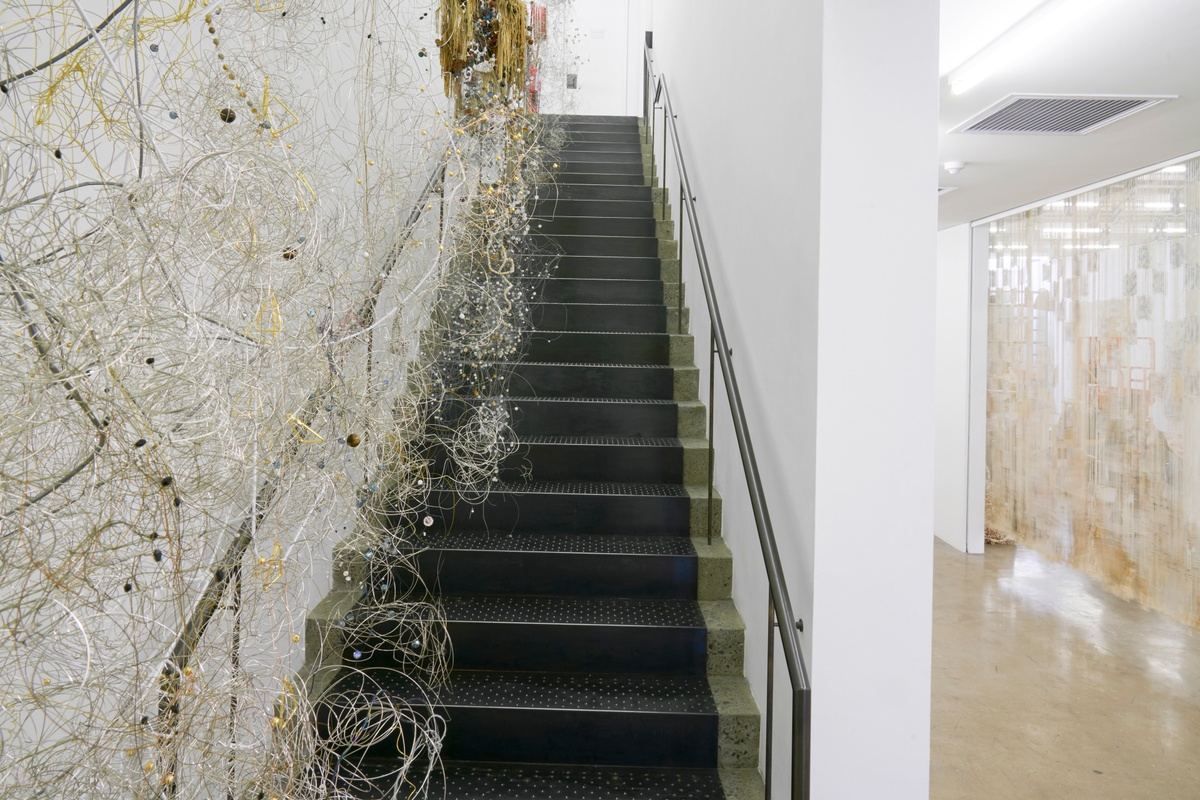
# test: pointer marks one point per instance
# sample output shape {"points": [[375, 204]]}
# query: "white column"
{"points": [[953, 389], [872, 585]]}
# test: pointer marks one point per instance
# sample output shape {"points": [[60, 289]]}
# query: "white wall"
{"points": [[820, 227], [607, 36], [953, 390]]}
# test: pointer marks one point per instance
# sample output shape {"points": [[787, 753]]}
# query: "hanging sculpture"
{"points": [[483, 46]]}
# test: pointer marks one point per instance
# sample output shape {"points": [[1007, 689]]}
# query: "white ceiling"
{"points": [[1139, 47]]}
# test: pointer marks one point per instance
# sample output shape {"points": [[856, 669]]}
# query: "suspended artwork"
{"points": [[236, 238], [1093, 419], [483, 45]]}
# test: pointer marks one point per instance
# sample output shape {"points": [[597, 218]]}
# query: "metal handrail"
{"points": [[779, 603]]}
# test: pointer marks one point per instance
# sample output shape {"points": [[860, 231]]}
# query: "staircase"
{"points": [[596, 651]]}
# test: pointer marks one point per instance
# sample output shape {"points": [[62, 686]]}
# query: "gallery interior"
{"points": [[620, 399]]}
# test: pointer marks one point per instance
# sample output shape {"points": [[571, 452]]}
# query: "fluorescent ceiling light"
{"points": [[1090, 246], [1175, 169], [1076, 204], [1032, 33], [1069, 231], [1163, 206]]}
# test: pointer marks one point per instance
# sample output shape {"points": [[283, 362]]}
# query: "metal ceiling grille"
{"points": [[1060, 115]]}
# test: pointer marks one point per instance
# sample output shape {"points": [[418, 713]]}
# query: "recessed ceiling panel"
{"points": [[1048, 114]]}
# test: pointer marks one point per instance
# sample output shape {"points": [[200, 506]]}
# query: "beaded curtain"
{"points": [[1093, 448]]}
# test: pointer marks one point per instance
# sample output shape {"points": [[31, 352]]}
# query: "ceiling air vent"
{"points": [[1077, 114]]}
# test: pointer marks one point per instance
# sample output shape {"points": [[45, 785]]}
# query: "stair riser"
{"points": [[561, 225], [595, 419], [631, 156], [584, 462], [615, 463], [599, 166], [643, 246], [530, 647], [536, 380], [581, 737], [655, 577], [624, 135], [549, 209], [603, 290], [592, 178], [567, 119], [624, 148], [608, 268], [599, 348], [607, 317], [564, 190], [501, 513], [629, 127]]}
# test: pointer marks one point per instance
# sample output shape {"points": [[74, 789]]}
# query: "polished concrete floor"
{"points": [[1046, 686]]}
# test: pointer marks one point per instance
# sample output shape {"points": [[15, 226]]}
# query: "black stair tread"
{"points": [[586, 488], [575, 191], [646, 694], [622, 152], [590, 179], [646, 401], [603, 441], [564, 543], [609, 259], [465, 780], [605, 217], [596, 333], [614, 308], [505, 365], [628, 119], [603, 281], [482, 780], [582, 237], [573, 611]]}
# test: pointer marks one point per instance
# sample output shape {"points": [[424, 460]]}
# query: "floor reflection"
{"points": [[1046, 685]]}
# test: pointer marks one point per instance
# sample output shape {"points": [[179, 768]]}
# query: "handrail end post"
{"points": [[801, 743]]}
